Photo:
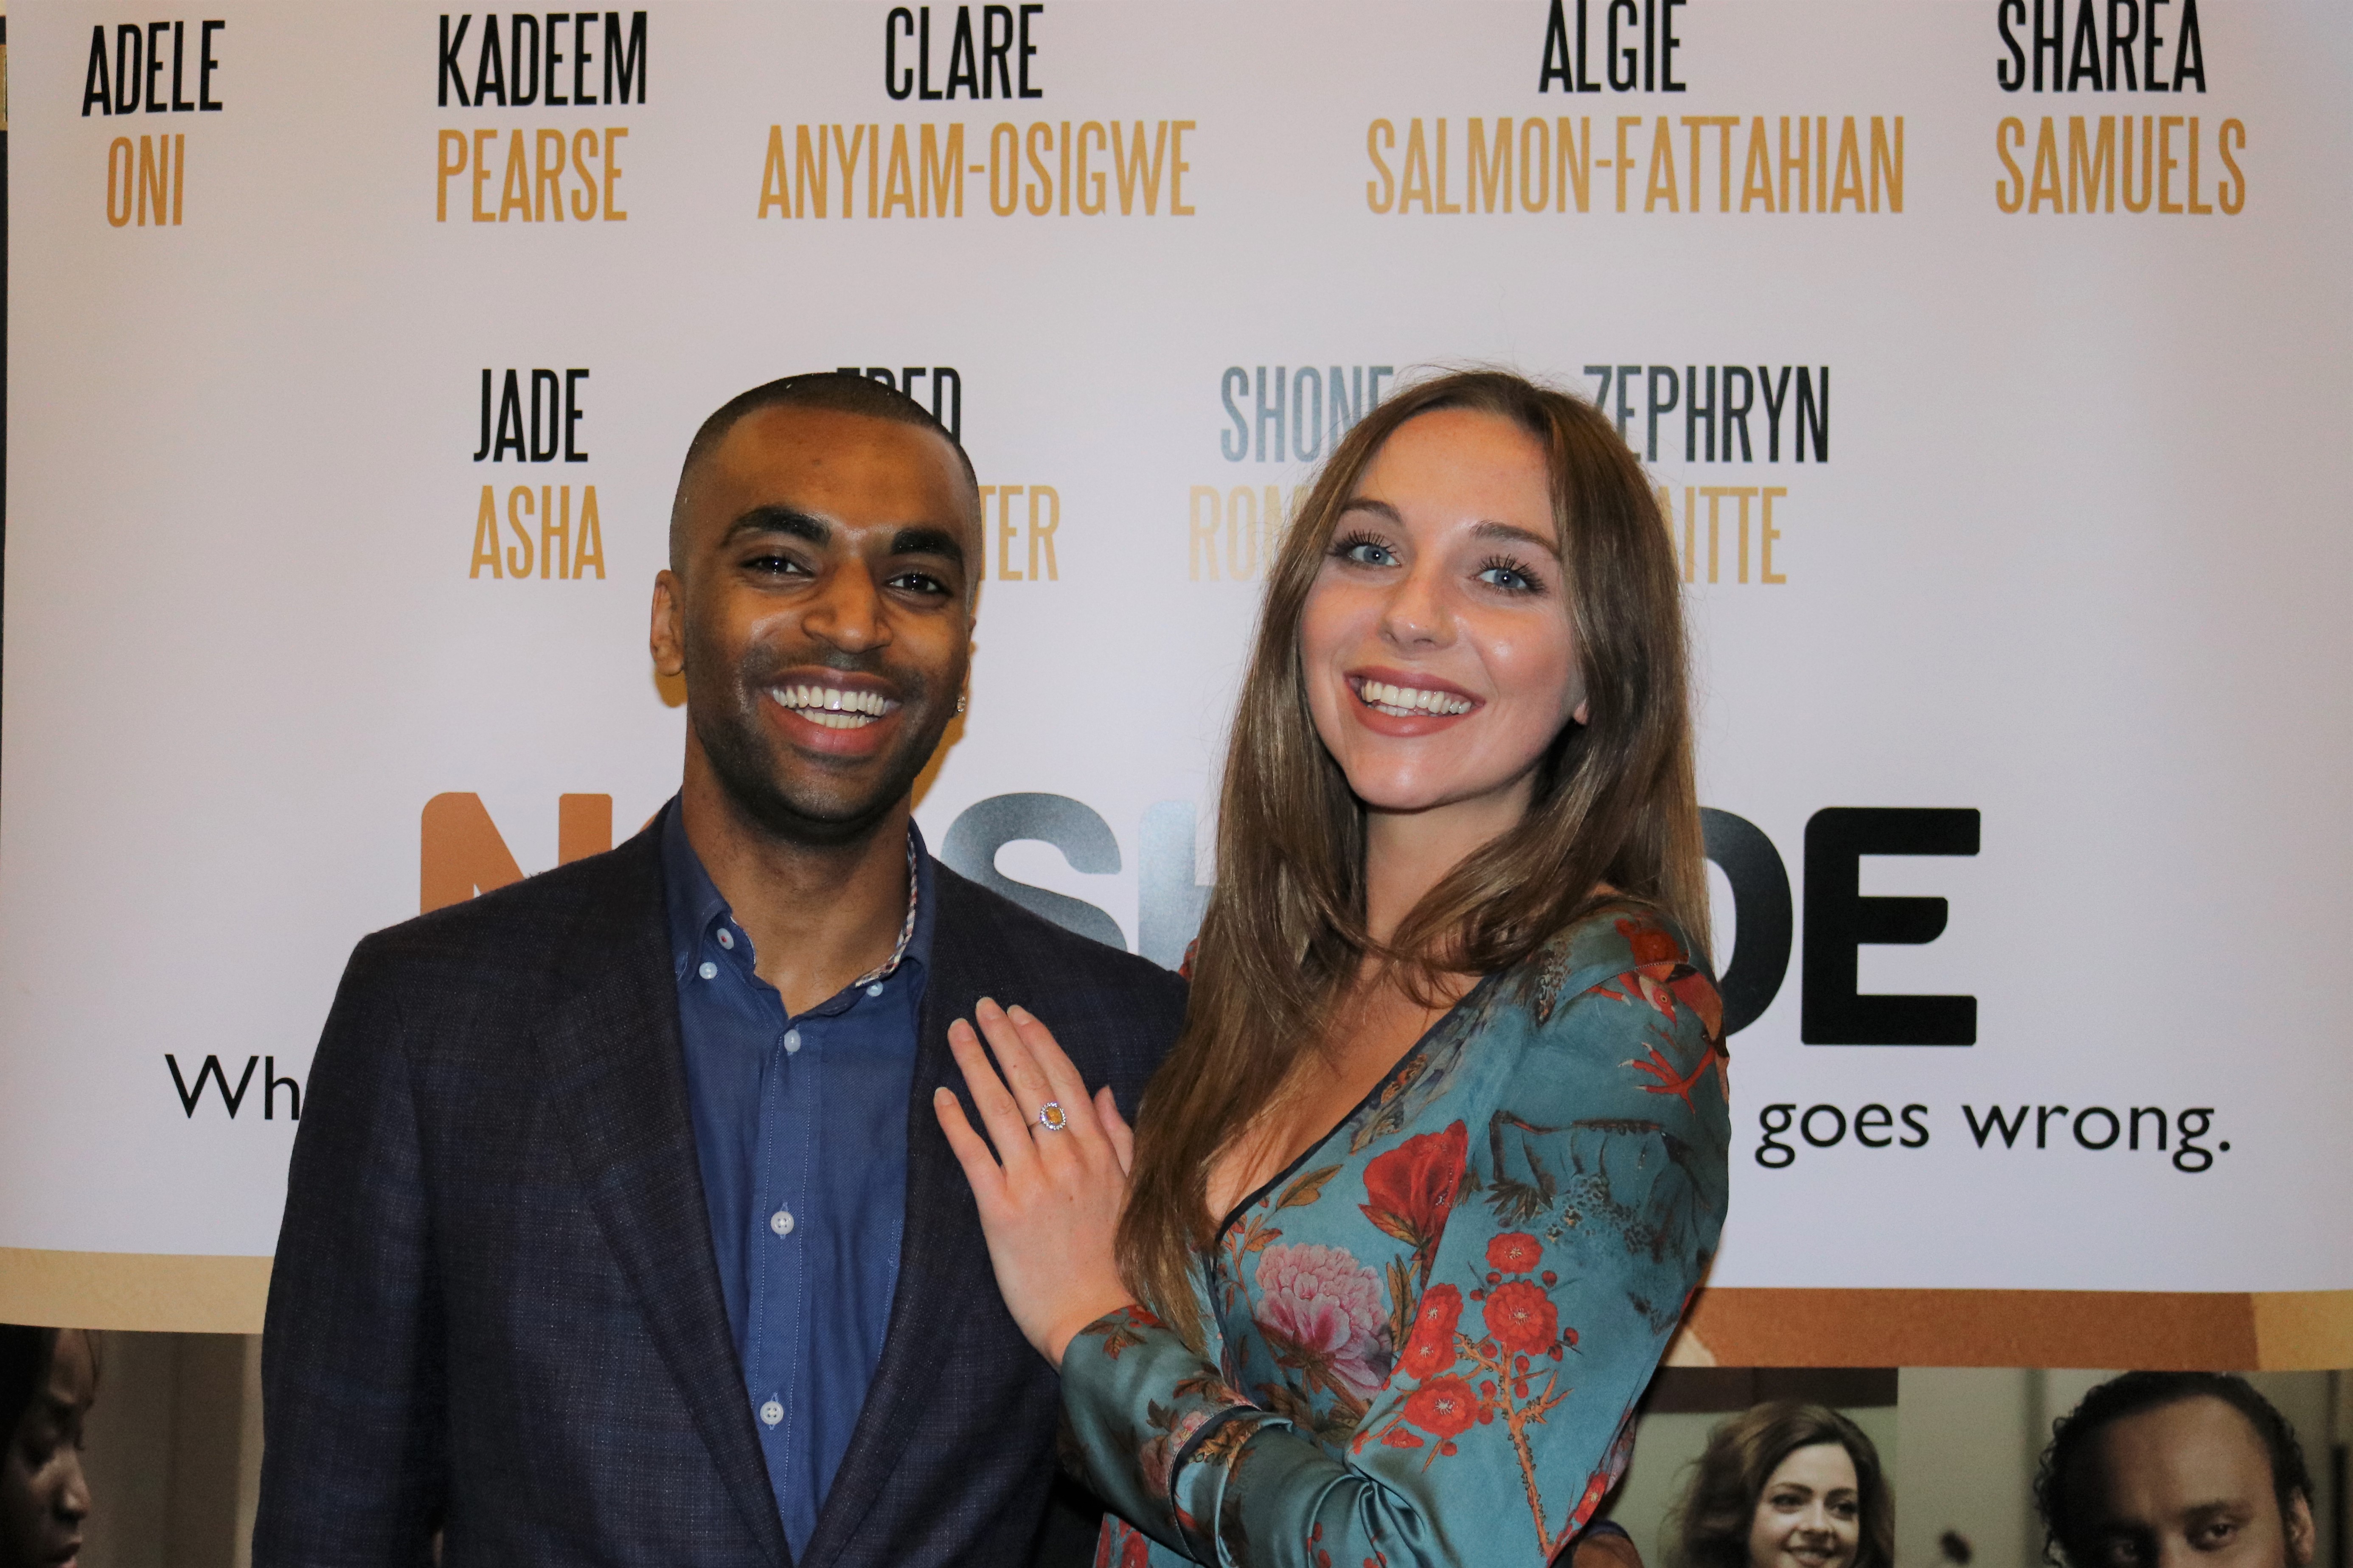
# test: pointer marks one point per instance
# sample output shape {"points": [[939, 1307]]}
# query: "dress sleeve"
{"points": [[1589, 1204]]}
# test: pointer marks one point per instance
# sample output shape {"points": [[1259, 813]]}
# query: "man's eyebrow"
{"points": [[921, 540], [779, 519], [2218, 1507]]}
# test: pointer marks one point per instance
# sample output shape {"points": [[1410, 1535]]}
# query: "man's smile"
{"points": [[832, 707]]}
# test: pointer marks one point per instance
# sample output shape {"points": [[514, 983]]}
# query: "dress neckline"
{"points": [[1371, 1097]]}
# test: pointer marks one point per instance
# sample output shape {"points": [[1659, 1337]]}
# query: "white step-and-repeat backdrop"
{"points": [[1991, 356]]}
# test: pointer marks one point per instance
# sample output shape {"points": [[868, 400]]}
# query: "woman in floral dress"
{"points": [[1414, 1206]]}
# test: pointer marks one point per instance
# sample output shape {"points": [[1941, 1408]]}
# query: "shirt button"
{"points": [[772, 1413], [875, 989], [726, 939], [792, 1041], [709, 971], [781, 1221]]}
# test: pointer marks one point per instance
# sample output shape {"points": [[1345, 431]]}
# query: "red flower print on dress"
{"points": [[1319, 1300], [1431, 1350], [1446, 1408], [1122, 1545], [1597, 1487], [1522, 1318], [1694, 991], [1663, 975], [1649, 943], [1409, 1190], [1514, 1252]]}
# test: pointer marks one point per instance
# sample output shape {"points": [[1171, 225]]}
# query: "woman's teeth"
{"points": [[1408, 701], [832, 707]]}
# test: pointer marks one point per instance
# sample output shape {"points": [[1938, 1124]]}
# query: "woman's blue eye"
{"points": [[1507, 577], [1366, 552]]}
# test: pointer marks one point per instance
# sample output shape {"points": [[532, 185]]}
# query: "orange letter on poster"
{"points": [[451, 140], [461, 853], [613, 134]]}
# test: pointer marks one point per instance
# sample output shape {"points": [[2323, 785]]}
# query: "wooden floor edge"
{"points": [[1728, 1326], [2164, 1330], [147, 1292]]}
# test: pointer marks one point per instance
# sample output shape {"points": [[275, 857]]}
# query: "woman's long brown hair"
{"points": [[1284, 932]]}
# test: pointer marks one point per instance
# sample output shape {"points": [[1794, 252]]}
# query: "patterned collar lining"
{"points": [[906, 927]]}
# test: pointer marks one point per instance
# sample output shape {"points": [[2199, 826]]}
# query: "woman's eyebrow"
{"points": [[1514, 532], [1366, 503]]}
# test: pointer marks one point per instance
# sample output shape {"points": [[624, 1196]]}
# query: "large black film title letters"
{"points": [[1839, 920], [1760, 915]]}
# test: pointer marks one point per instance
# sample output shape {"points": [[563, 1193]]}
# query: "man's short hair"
{"points": [[2134, 1394], [832, 390]]}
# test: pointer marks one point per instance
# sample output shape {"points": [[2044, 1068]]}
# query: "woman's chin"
{"points": [[1415, 794]]}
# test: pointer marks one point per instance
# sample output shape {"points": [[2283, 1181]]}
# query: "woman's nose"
{"points": [[1417, 612], [73, 1493]]}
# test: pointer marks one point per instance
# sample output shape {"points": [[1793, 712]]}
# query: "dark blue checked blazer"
{"points": [[496, 1310]]}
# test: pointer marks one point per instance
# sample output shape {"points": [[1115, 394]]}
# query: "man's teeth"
{"points": [[1408, 701], [833, 707]]}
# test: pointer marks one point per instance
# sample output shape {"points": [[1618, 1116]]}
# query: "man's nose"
{"points": [[848, 611]]}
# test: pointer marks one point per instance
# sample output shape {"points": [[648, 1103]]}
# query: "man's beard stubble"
{"points": [[759, 773]]}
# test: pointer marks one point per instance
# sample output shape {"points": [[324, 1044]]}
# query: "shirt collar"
{"points": [[696, 907]]}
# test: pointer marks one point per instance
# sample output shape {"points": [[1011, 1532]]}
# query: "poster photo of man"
{"points": [[2133, 1469]]}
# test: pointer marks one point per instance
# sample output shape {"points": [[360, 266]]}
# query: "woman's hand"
{"points": [[1050, 1201]]}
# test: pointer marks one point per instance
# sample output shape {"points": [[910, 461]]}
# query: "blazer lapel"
{"points": [[616, 1072], [942, 1258]]}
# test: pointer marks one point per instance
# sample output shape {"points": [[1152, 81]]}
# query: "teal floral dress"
{"points": [[1426, 1338]]}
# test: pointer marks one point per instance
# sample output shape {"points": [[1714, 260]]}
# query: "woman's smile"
{"points": [[1401, 703]]}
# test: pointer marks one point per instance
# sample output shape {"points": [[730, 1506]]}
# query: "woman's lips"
{"points": [[1404, 705]]}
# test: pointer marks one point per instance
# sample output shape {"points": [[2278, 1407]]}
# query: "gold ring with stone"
{"points": [[1051, 1118]]}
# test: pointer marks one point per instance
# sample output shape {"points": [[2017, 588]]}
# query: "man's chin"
{"points": [[816, 819], [812, 798], [825, 811]]}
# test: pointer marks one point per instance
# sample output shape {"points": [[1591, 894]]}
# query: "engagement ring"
{"points": [[1050, 1117]]}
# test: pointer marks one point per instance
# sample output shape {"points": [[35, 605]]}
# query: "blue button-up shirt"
{"points": [[800, 1127]]}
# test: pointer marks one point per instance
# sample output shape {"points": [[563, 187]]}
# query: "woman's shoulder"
{"points": [[1624, 951], [1616, 1023]]}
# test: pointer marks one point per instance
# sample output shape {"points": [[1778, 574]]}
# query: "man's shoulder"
{"points": [[531, 924], [1013, 939]]}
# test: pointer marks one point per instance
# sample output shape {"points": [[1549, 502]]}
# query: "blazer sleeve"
{"points": [[354, 1467], [1593, 1196]]}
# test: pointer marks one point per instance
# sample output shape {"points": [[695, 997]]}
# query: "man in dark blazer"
{"points": [[619, 1227]]}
